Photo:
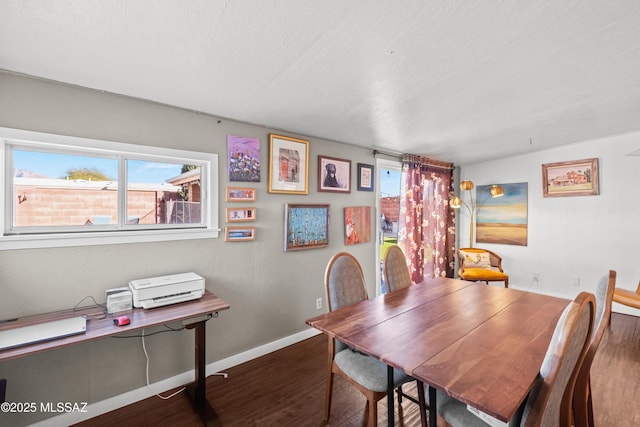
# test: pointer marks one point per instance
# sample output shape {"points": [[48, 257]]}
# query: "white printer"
{"points": [[158, 291]]}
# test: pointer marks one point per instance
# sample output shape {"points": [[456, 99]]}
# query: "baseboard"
{"points": [[115, 402]]}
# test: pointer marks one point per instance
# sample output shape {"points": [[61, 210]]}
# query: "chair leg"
{"points": [[506, 283], [328, 395], [399, 393], [373, 412]]}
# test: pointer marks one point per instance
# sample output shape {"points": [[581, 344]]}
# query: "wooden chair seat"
{"points": [[626, 297]]}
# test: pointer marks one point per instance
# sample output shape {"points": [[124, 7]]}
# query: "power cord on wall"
{"points": [[144, 348], [146, 354]]}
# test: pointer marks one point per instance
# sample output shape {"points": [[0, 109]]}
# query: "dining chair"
{"points": [[481, 265], [395, 271], [345, 285], [550, 401], [582, 403]]}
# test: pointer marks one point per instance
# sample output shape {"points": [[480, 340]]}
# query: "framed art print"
{"points": [[575, 178], [241, 214], [306, 226], [239, 234], [243, 158], [240, 194], [288, 165], [365, 177], [334, 175]]}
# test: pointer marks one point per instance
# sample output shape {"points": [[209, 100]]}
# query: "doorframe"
{"points": [[381, 164]]}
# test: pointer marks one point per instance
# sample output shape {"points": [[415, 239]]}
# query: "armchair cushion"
{"points": [[481, 274]]}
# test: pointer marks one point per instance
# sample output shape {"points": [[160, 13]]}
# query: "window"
{"points": [[63, 191]]}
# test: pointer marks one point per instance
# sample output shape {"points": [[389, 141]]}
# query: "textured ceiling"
{"points": [[455, 80]]}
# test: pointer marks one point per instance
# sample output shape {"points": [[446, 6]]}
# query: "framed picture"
{"points": [[243, 158], [575, 178], [240, 194], [288, 165], [306, 226], [334, 175], [241, 214], [365, 177], [357, 225], [239, 234]]}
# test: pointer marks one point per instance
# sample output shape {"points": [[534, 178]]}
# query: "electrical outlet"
{"points": [[535, 277], [319, 304], [576, 281]]}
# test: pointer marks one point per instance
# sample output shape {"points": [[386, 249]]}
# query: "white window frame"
{"points": [[107, 235]]}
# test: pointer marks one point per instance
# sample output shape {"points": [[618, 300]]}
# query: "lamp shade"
{"points": [[496, 191], [466, 185], [455, 202]]}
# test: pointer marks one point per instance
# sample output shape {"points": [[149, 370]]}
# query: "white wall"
{"points": [[271, 292], [572, 237]]}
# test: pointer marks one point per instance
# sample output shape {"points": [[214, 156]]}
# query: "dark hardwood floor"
{"points": [[286, 388]]}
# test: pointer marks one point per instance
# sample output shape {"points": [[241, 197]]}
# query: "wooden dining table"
{"points": [[480, 344]]}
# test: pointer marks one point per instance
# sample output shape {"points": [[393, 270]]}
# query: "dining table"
{"points": [[481, 344]]}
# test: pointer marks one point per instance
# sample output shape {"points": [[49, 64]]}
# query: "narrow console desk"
{"points": [[140, 318]]}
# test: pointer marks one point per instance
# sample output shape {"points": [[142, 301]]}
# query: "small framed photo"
{"points": [[574, 178], [240, 194], [239, 234], [306, 226], [334, 175], [243, 158], [288, 165], [365, 177], [241, 214]]}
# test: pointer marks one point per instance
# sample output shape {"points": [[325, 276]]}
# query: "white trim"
{"points": [[98, 408]]}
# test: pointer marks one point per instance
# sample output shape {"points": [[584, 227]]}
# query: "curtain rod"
{"points": [[421, 159]]}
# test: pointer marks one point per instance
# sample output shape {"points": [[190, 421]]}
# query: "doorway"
{"points": [[388, 203]]}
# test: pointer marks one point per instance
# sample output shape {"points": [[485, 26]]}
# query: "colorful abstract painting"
{"points": [[243, 158], [357, 225]]}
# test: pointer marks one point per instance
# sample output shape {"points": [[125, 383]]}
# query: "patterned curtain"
{"points": [[426, 227]]}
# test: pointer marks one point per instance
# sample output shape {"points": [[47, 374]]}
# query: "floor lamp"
{"points": [[456, 202]]}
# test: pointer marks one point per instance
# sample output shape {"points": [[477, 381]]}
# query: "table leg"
{"points": [[197, 392], [390, 399], [432, 407]]}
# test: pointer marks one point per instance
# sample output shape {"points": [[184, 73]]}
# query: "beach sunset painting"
{"points": [[502, 219]]}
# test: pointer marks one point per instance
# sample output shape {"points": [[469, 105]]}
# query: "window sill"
{"points": [[97, 239]]}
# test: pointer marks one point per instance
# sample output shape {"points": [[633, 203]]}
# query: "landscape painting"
{"points": [[575, 178], [502, 219]]}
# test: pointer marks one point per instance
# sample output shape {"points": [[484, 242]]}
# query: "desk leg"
{"points": [[390, 399], [197, 391]]}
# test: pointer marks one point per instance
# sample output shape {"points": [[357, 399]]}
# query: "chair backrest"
{"points": [[344, 283], [604, 297], [477, 257], [396, 272], [549, 402]]}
